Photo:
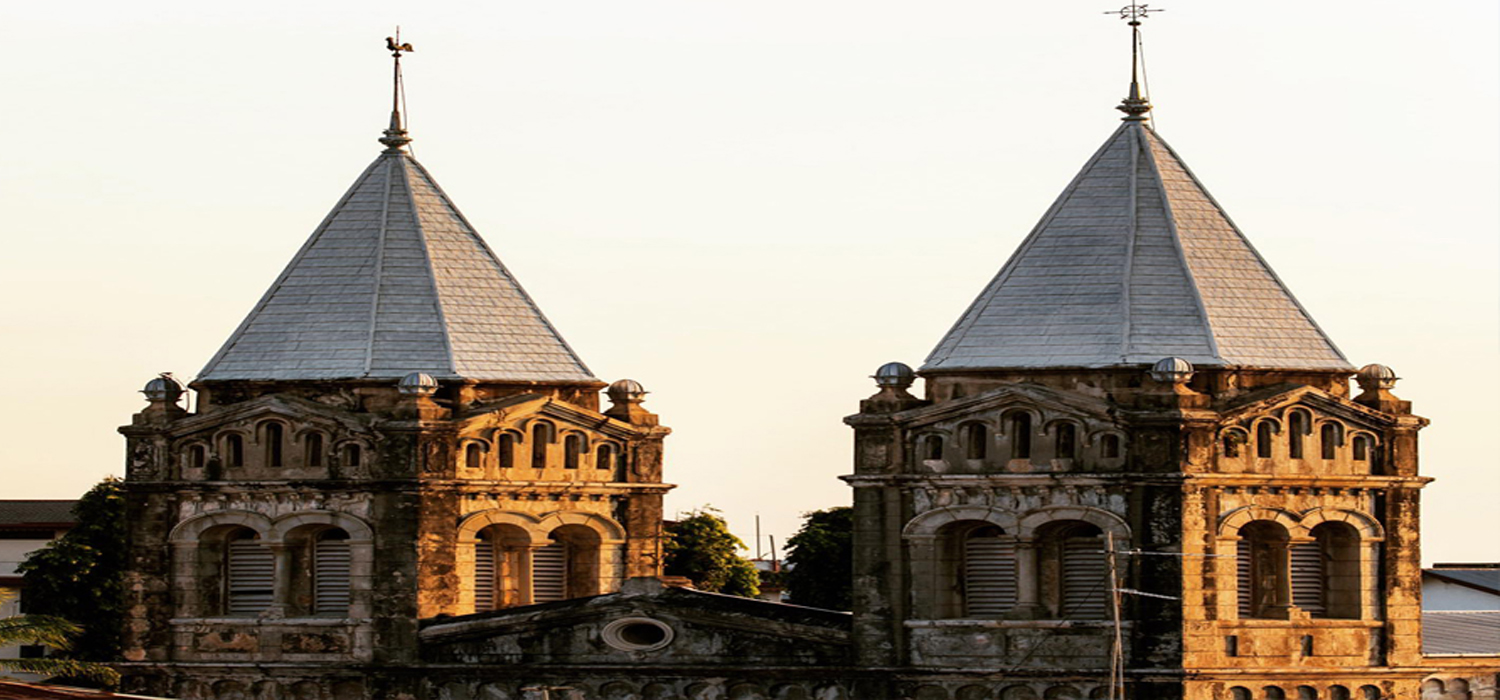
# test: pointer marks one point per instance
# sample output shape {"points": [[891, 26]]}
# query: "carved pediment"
{"points": [[645, 623], [1030, 396]]}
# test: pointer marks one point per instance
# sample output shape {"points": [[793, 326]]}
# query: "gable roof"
{"points": [[1479, 578], [1135, 262], [395, 281]]}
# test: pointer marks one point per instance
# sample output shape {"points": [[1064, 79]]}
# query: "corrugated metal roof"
{"points": [[1461, 632], [395, 281], [1483, 579], [14, 513], [1135, 262]]}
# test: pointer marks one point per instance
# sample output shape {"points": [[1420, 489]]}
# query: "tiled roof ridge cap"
{"points": [[1175, 235], [499, 264], [1219, 208]]}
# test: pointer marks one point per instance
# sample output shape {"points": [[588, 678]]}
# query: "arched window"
{"points": [[249, 573], [1325, 572], [976, 441], [1296, 428], [474, 456], [313, 450], [604, 456], [1338, 692], [1232, 442], [1261, 567], [1274, 692], [1067, 441], [932, 448], [1361, 448], [574, 556], [572, 447], [197, 456], [234, 450], [1265, 433], [1073, 571], [1110, 447], [505, 449], [352, 455], [274, 435], [501, 561], [541, 436], [1020, 436], [989, 572], [1330, 439], [1307, 692], [1369, 692], [331, 566], [1240, 693]]}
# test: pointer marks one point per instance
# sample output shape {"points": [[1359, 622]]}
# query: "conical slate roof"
{"points": [[395, 281], [1135, 262]]}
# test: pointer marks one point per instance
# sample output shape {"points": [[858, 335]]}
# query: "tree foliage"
{"points": [[79, 577], [820, 560], [701, 547], [53, 632]]}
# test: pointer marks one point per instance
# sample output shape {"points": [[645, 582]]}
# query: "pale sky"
{"points": [[746, 206]]}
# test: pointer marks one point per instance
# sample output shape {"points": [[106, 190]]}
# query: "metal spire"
{"points": [[1135, 106], [395, 136]]}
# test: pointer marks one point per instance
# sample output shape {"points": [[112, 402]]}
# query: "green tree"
{"points": [[820, 560], [53, 632], [80, 576], [701, 547]]}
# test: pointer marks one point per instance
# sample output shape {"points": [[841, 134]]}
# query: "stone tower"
{"points": [[394, 433], [1137, 374]]}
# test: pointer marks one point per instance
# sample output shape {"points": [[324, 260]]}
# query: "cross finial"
{"points": [[1136, 105], [395, 136]]}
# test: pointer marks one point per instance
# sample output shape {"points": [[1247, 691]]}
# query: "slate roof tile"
{"points": [[1135, 262], [396, 281]]}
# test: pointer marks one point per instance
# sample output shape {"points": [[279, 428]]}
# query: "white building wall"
{"points": [[1442, 595]]}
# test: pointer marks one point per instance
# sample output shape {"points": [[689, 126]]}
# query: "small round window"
{"points": [[637, 634]]}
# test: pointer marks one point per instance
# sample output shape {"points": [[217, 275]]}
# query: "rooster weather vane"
{"points": [[395, 137]]}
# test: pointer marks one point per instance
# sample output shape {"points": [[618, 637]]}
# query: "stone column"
{"points": [[1028, 598], [281, 596]]}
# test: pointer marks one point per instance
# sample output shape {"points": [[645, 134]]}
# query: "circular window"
{"points": [[637, 634]]}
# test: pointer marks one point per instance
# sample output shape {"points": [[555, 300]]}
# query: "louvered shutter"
{"points": [[331, 577], [1307, 578], [1085, 590], [1243, 580], [484, 576], [252, 577], [549, 573], [989, 576]]}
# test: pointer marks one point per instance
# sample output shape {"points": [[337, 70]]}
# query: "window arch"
{"points": [[505, 450], [1330, 439], [474, 455], [234, 450], [249, 573], [572, 448], [501, 567], [604, 456], [197, 456], [1109, 446], [1261, 570], [330, 571], [1296, 429], [574, 556], [1239, 693], [976, 439], [1325, 572], [982, 559], [1020, 435], [1066, 441], [353, 453], [1265, 436], [312, 449], [274, 435], [1072, 570], [1338, 692], [932, 447], [541, 436], [1232, 440]]}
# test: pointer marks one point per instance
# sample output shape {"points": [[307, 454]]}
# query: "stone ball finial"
{"points": [[164, 387], [1375, 377], [626, 391], [1172, 370], [417, 384], [894, 375]]}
